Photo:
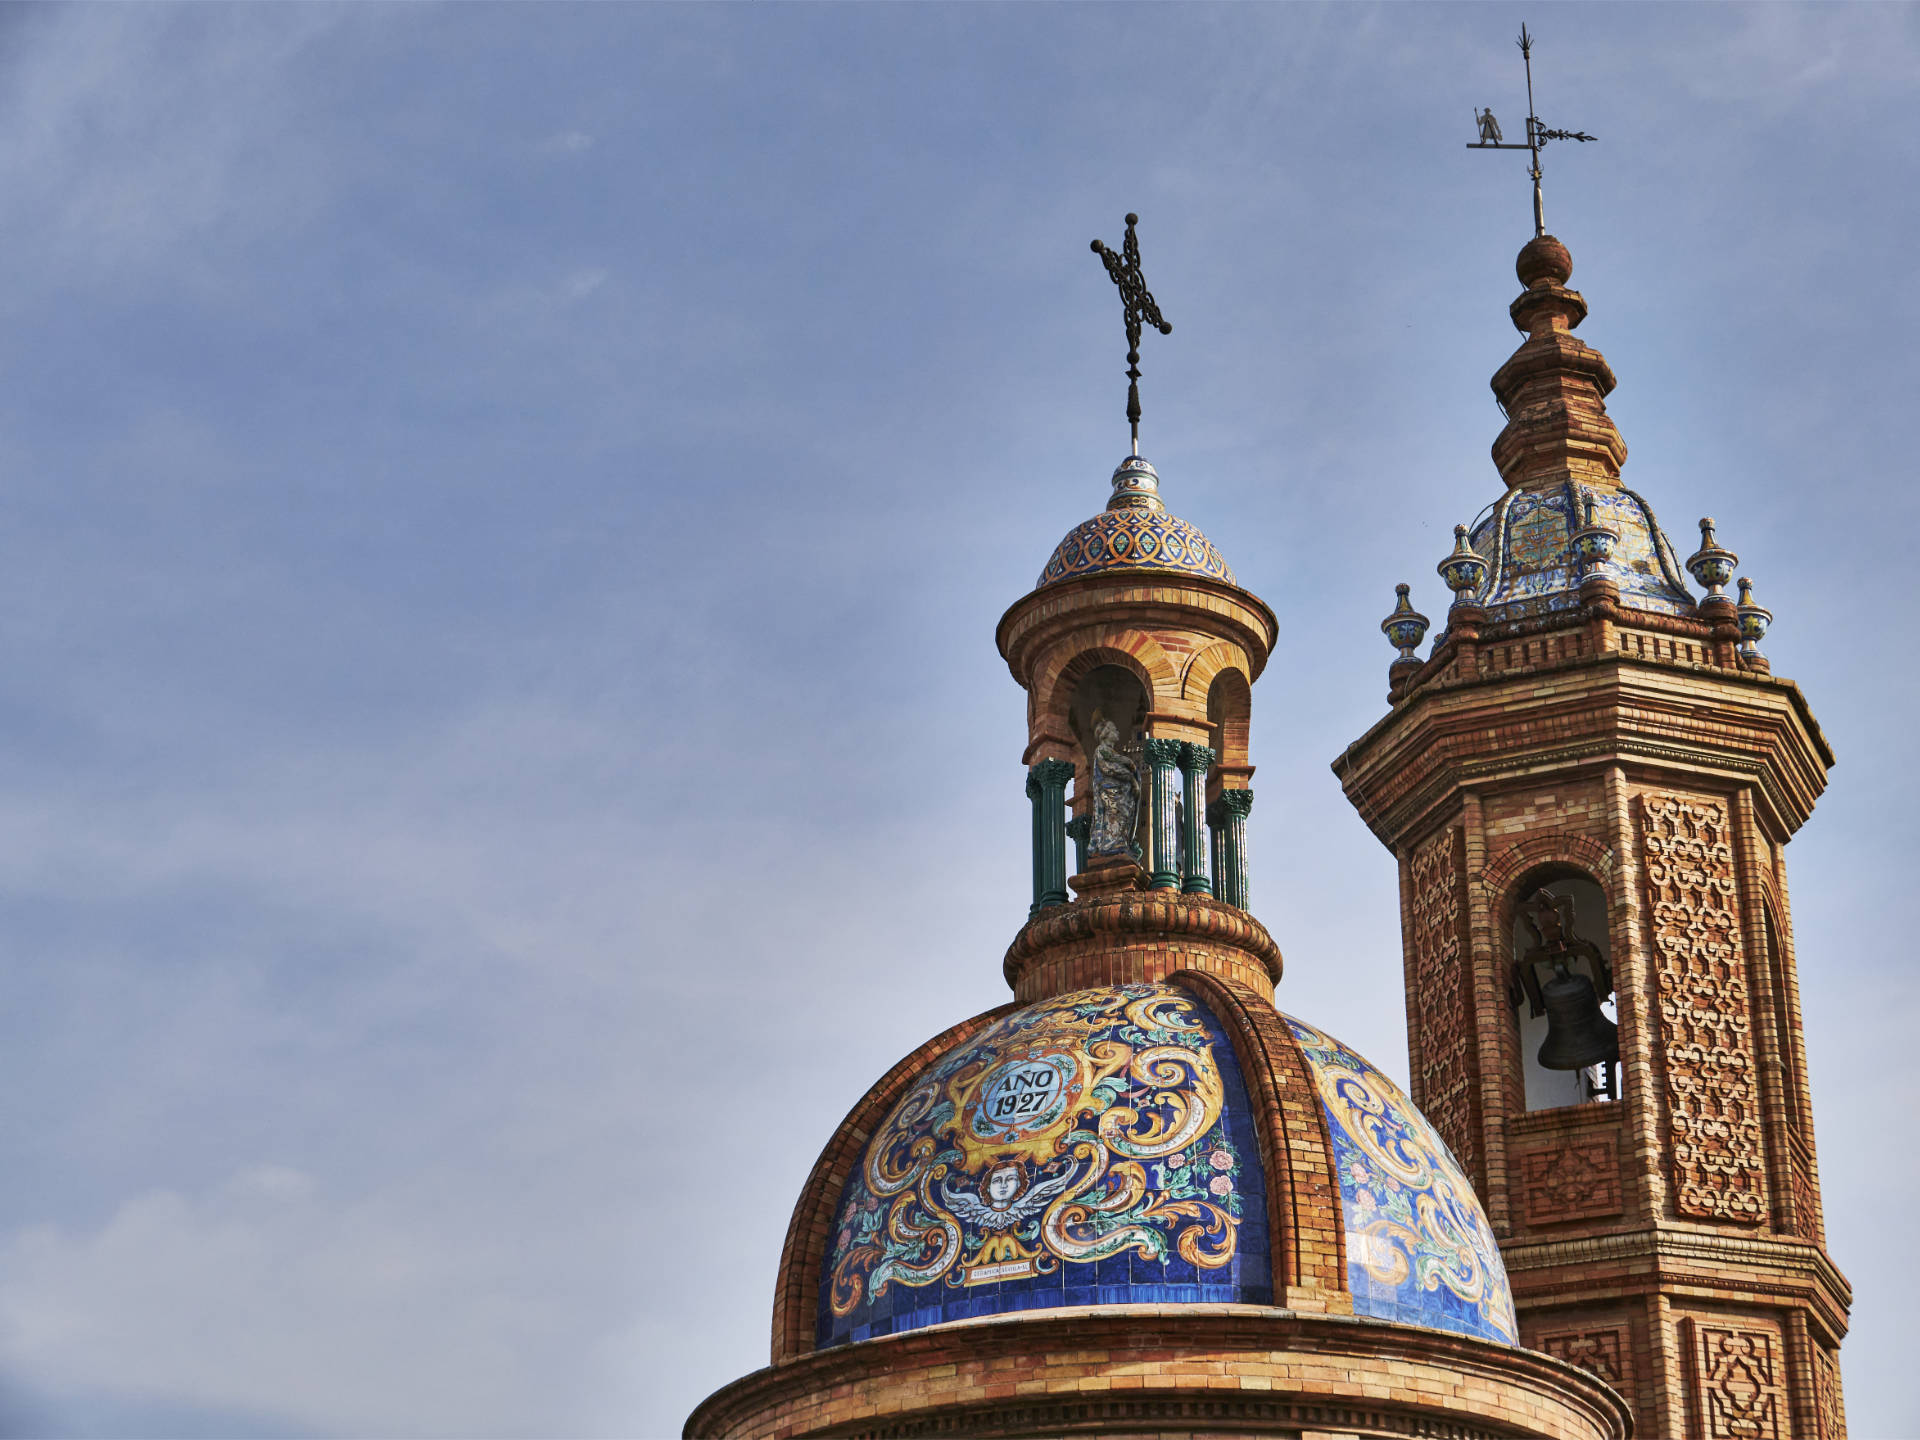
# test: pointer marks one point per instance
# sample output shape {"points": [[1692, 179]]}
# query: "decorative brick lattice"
{"points": [[1574, 1181], [1602, 1353], [1833, 1409], [1448, 1073], [1705, 1022], [1737, 1384]]}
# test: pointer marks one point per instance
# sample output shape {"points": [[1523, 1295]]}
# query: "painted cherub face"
{"points": [[1004, 1185]]}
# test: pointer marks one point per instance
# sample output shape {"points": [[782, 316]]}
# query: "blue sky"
{"points": [[502, 517]]}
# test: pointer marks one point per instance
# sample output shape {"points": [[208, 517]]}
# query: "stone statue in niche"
{"points": [[1116, 793]]}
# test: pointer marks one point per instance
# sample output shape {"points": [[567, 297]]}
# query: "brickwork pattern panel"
{"points": [[1826, 1379], [1578, 1180], [1739, 1384], [1606, 1353], [1449, 1074], [1705, 1014]]}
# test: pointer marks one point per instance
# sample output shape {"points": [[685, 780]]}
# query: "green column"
{"points": [[1047, 788], [1078, 829], [1163, 758], [1039, 843], [1195, 761], [1228, 817]]}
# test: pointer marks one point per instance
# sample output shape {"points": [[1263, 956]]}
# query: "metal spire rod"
{"points": [[1138, 304], [1537, 134]]}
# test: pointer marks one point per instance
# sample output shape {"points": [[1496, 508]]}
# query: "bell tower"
{"points": [[1589, 784]]}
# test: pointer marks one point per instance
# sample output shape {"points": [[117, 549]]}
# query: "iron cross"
{"points": [[1537, 134], [1138, 303]]}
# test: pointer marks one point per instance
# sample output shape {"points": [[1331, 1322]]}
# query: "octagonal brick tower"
{"points": [[1596, 772], [1137, 1199]]}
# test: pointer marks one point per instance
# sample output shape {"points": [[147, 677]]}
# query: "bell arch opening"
{"points": [[1561, 992]]}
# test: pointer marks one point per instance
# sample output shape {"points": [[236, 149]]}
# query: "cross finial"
{"points": [[1138, 303], [1537, 134]]}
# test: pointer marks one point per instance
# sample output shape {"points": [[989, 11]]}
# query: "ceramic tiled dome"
{"points": [[1104, 1147], [1134, 532], [1532, 570]]}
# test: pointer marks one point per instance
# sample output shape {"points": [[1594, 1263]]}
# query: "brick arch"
{"points": [[1582, 852], [1208, 663], [1137, 653]]}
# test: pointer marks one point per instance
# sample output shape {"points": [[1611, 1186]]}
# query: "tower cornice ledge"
{"points": [[1712, 727], [1132, 599], [1127, 937], [1676, 1255], [1241, 1369]]}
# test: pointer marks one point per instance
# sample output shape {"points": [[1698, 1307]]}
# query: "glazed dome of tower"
{"points": [[1134, 532], [1126, 1145], [1532, 569]]}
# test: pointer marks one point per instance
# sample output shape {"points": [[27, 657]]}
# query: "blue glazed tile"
{"points": [[1226, 1156]]}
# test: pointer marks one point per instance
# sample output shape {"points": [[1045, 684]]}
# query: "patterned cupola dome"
{"points": [[1132, 1145], [1134, 532], [1533, 569]]}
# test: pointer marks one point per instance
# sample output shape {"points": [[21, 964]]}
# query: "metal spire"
{"points": [[1537, 134], [1137, 301]]}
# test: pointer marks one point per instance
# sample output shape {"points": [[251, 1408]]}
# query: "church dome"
{"points": [[1127, 1145], [1134, 532]]}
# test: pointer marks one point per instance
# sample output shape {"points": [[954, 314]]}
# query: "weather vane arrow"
{"points": [[1138, 303], [1537, 134]]}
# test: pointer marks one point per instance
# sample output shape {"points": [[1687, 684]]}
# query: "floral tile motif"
{"points": [[1096, 1148], [1419, 1249]]}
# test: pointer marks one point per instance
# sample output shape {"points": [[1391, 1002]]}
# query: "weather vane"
{"points": [[1537, 134], [1137, 300]]}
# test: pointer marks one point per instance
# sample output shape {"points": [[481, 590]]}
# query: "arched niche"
{"points": [[1116, 693], [1230, 714], [1558, 912]]}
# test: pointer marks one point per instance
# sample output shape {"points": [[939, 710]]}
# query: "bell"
{"points": [[1578, 1035]]}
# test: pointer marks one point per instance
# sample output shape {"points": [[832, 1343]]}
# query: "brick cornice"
{"points": [[1708, 1263], [1741, 728], [1265, 1368], [1041, 618], [1118, 937]]}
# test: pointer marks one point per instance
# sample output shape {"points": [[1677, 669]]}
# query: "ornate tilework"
{"points": [[1419, 1249], [1096, 1148], [1524, 540], [1134, 538]]}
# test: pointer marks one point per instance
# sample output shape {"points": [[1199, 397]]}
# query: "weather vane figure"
{"points": [[1138, 303], [1537, 134]]}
